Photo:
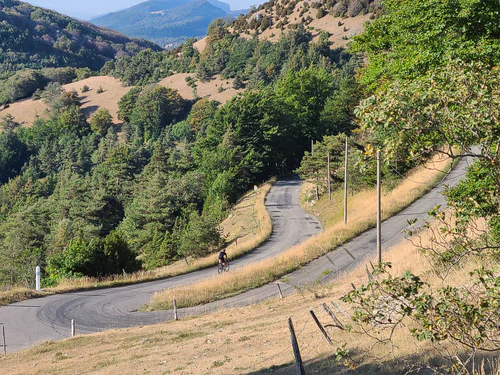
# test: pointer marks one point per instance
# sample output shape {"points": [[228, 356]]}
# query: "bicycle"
{"points": [[223, 267]]}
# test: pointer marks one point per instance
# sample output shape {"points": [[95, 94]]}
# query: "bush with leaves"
{"points": [[465, 316], [110, 255]]}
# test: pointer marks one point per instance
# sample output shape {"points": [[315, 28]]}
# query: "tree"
{"points": [[438, 93], [127, 103], [305, 93], [21, 85], [101, 121], [313, 166], [415, 36], [8, 123], [201, 113], [93, 258], [13, 154], [155, 108]]}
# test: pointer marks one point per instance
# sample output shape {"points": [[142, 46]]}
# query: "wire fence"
{"points": [[310, 339]]}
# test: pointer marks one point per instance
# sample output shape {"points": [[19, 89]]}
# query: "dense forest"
{"points": [[80, 199]]}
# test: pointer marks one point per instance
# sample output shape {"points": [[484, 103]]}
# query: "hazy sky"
{"points": [[86, 9]]}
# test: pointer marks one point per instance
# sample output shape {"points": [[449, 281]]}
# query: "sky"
{"points": [[87, 9]]}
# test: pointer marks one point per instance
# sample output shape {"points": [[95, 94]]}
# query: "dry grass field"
{"points": [[216, 89], [341, 29], [25, 111]]}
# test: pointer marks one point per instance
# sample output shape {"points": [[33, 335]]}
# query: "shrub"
{"points": [[93, 258]]}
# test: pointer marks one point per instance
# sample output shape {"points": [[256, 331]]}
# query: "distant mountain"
{"points": [[165, 22], [34, 37]]}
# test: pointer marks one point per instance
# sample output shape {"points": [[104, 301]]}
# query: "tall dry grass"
{"points": [[362, 216]]}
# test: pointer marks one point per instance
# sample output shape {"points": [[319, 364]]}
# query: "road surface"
{"points": [[49, 318], [30, 322]]}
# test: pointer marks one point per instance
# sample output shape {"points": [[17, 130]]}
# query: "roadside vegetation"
{"points": [[250, 340], [247, 226], [362, 216]]}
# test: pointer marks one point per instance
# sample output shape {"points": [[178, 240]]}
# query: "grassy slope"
{"points": [[252, 340], [25, 111]]}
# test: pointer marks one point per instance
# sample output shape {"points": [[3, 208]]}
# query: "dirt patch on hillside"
{"points": [[26, 111], [200, 44], [341, 29], [216, 89]]}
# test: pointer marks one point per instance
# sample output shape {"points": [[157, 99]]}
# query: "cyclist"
{"points": [[223, 257]]}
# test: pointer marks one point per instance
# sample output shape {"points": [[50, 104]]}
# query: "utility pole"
{"points": [[379, 215], [329, 183], [345, 180]]}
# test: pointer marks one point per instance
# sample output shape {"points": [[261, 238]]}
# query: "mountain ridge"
{"points": [[59, 40], [166, 22]]}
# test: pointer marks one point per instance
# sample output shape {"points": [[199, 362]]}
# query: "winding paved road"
{"points": [[30, 322]]}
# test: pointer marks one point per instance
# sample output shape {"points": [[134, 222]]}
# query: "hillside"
{"points": [[59, 41], [165, 22], [340, 19], [26, 111]]}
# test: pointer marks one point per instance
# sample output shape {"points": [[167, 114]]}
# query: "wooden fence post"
{"points": [[176, 317], [338, 308], [4, 344], [279, 290], [296, 350], [73, 328], [337, 322], [327, 338]]}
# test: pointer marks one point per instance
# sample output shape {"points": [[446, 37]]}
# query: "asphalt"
{"points": [[33, 321]]}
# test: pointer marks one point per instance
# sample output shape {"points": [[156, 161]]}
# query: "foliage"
{"points": [[314, 165], [95, 258], [415, 36], [101, 121], [155, 108], [467, 316], [436, 91], [60, 41], [21, 85], [13, 154]]}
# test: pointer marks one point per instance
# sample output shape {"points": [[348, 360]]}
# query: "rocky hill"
{"points": [[341, 19], [34, 37], [165, 22]]}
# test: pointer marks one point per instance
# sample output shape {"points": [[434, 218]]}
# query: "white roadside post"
{"points": [[37, 274]]}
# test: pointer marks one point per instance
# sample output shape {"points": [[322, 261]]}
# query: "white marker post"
{"points": [[37, 275]]}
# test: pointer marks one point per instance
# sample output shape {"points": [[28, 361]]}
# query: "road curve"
{"points": [[347, 256], [33, 321]]}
